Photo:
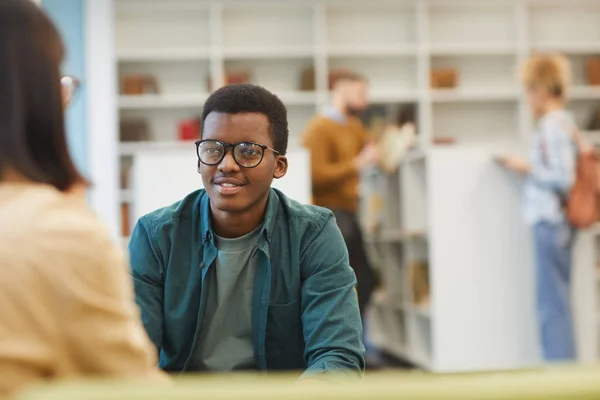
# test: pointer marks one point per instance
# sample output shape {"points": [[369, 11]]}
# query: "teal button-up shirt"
{"points": [[304, 309]]}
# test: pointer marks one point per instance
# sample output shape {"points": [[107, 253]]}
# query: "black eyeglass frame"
{"points": [[232, 146]]}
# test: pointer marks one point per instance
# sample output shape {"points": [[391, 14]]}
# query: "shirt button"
{"points": [[202, 264]]}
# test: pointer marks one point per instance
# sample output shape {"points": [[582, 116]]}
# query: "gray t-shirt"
{"points": [[226, 333]]}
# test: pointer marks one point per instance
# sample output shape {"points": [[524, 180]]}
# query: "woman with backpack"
{"points": [[550, 175]]}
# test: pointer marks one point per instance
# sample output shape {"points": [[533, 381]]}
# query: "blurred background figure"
{"points": [[397, 139], [340, 148], [67, 299], [550, 174]]}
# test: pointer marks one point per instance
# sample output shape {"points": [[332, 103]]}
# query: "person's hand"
{"points": [[369, 156], [514, 163]]}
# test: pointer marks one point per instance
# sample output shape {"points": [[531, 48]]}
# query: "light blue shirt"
{"points": [[553, 160], [335, 115]]}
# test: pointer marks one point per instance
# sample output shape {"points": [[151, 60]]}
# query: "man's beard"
{"points": [[354, 111]]}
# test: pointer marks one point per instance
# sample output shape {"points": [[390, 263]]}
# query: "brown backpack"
{"points": [[582, 206]]}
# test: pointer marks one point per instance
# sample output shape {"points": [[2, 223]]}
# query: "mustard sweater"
{"points": [[334, 147]]}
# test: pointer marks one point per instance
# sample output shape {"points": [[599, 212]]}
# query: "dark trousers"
{"points": [[352, 234]]}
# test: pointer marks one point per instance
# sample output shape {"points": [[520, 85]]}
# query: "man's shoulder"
{"points": [[187, 208], [557, 125], [305, 217], [319, 123]]}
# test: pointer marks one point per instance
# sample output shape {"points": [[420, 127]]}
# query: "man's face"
{"points": [[250, 185], [355, 93]]}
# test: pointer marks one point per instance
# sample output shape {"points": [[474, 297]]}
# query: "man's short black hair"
{"points": [[241, 98]]}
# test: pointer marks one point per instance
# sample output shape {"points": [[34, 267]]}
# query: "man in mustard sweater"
{"points": [[340, 149]]}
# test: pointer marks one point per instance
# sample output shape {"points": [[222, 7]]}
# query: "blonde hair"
{"points": [[551, 72]]}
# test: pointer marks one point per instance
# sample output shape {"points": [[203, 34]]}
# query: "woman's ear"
{"points": [[281, 167], [199, 164]]}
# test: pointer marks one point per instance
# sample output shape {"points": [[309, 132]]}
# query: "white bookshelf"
{"points": [[394, 43]]}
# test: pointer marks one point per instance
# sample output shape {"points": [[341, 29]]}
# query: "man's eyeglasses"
{"points": [[70, 86], [245, 154]]}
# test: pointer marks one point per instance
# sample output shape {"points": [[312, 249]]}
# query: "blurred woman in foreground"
{"points": [[550, 174], [66, 295]]}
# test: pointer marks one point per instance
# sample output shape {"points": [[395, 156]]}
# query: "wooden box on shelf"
{"points": [[419, 276], [124, 181], [134, 131], [308, 80], [444, 141], [444, 78], [125, 228], [593, 71], [231, 78], [138, 84]]}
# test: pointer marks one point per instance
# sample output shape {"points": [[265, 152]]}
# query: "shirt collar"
{"points": [[334, 114], [267, 227]]}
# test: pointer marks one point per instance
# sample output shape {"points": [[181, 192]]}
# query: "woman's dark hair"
{"points": [[240, 98], [32, 128]]}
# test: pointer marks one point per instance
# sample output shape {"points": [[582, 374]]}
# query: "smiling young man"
{"points": [[237, 276]]}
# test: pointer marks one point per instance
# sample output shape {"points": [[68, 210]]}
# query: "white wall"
{"points": [[102, 125]]}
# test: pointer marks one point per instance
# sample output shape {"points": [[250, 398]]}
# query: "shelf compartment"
{"points": [[415, 155], [297, 98], [585, 93], [397, 236], [388, 189], [375, 253], [417, 311], [476, 122], [172, 78], [131, 148], [163, 123], [569, 25], [126, 196], [414, 200], [163, 55], [374, 50], [419, 336], [593, 137], [155, 26], [277, 75], [472, 25], [393, 272], [273, 52], [584, 111], [272, 26], [387, 327], [298, 117], [473, 49], [388, 76], [491, 94], [367, 25], [162, 101], [579, 47], [380, 96], [478, 75]]}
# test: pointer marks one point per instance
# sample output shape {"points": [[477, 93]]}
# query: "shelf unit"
{"points": [[188, 43]]}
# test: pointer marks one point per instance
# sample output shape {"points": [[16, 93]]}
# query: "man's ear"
{"points": [[199, 167], [281, 167]]}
